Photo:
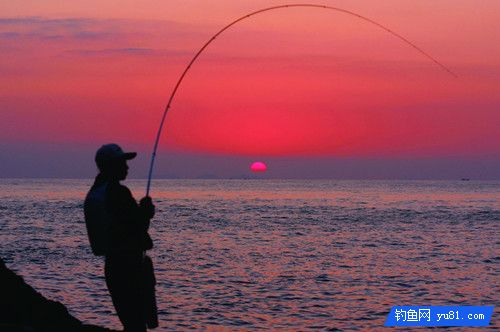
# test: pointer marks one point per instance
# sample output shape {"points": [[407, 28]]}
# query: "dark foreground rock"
{"points": [[22, 309]]}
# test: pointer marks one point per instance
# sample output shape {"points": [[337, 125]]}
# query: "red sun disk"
{"points": [[258, 166]]}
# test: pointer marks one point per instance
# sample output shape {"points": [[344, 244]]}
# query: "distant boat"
{"points": [[465, 179]]}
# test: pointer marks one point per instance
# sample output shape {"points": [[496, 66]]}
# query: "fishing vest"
{"points": [[97, 219]]}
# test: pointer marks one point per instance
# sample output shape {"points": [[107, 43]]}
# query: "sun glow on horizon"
{"points": [[258, 167]]}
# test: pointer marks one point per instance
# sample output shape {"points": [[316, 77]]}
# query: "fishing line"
{"points": [[174, 91]]}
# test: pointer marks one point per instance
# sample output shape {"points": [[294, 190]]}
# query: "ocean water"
{"points": [[280, 255]]}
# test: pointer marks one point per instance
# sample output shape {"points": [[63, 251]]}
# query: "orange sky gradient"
{"points": [[292, 82]]}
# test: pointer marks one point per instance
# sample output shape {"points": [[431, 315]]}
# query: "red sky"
{"points": [[293, 82]]}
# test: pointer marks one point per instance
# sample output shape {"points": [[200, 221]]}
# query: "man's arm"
{"points": [[130, 220]]}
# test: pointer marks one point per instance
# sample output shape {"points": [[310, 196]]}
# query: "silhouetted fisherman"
{"points": [[118, 229]]}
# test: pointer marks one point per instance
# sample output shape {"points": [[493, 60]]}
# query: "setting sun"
{"points": [[258, 166]]}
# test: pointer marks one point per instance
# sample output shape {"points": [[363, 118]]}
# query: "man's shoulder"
{"points": [[119, 189]]}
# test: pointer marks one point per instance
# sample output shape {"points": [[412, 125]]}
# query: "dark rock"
{"points": [[22, 309]]}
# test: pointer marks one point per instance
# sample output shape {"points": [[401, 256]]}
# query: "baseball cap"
{"points": [[109, 152]]}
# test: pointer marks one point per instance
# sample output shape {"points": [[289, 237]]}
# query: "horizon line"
{"points": [[464, 179]]}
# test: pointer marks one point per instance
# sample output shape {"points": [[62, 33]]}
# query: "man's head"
{"points": [[112, 161]]}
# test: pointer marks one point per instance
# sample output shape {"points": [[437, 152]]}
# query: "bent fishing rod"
{"points": [[195, 57]]}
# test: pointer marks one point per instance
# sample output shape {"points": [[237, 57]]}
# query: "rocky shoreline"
{"points": [[23, 309]]}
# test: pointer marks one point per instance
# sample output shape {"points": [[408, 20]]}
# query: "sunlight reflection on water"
{"points": [[286, 255]]}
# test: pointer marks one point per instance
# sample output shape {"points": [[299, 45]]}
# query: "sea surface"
{"points": [[283, 255]]}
